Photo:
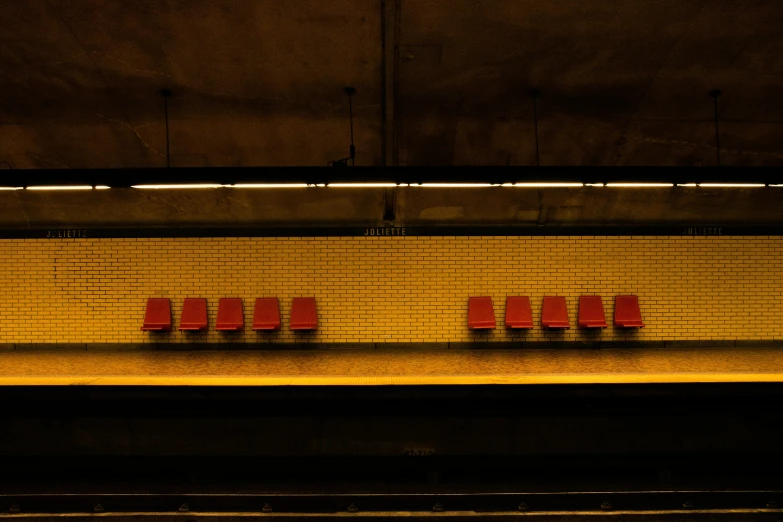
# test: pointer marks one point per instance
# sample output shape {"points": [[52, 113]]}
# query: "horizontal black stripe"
{"points": [[358, 231]]}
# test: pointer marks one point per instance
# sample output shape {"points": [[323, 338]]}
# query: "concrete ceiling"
{"points": [[440, 82]]}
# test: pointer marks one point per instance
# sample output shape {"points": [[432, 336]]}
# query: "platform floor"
{"points": [[279, 368]]}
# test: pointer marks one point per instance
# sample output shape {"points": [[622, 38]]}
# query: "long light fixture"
{"points": [[542, 185], [455, 185], [640, 185], [362, 185], [179, 186], [61, 187], [268, 185], [732, 185], [11, 188]]}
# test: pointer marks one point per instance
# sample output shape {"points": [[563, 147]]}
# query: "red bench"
{"points": [[626, 312], [266, 315], [194, 314], [230, 316], [554, 313], [518, 312], [591, 312], [157, 316], [303, 314], [481, 314]]}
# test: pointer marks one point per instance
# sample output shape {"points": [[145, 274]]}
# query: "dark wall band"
{"points": [[371, 232]]}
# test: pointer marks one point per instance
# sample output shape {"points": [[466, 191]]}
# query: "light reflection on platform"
{"points": [[453, 367]]}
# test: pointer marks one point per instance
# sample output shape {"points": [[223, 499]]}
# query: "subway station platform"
{"points": [[345, 368]]}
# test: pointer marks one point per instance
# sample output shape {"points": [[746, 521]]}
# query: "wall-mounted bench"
{"points": [[481, 314], [230, 316], [518, 312], [266, 314], [591, 312], [157, 316], [303, 314], [626, 312], [554, 313], [194, 315]]}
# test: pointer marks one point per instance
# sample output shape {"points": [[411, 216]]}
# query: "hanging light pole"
{"points": [[534, 93], [166, 93], [715, 94]]}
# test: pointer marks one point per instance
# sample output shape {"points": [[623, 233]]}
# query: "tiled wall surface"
{"points": [[390, 289]]}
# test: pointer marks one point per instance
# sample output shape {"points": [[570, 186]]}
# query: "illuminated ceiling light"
{"points": [[687, 185], [102, 187], [11, 188], [455, 185], [640, 185], [362, 185], [594, 185], [182, 186], [542, 185], [770, 186], [268, 185], [62, 187], [732, 185]]}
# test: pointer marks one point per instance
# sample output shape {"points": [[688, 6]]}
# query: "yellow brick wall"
{"points": [[390, 289]]}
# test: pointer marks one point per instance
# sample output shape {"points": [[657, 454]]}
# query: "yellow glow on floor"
{"points": [[324, 368]]}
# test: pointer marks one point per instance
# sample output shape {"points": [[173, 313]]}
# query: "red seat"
{"points": [[303, 314], [591, 312], [157, 317], [554, 313], [518, 313], [481, 314], [626, 312], [266, 315], [194, 314], [230, 316]]}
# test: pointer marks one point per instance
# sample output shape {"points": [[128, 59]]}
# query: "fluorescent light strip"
{"points": [[455, 185], [594, 185], [62, 187], [542, 185], [11, 188], [183, 186], [687, 185], [732, 185], [268, 185], [640, 185], [102, 187], [362, 185]]}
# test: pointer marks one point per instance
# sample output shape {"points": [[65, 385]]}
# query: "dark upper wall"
{"points": [[317, 206], [622, 82]]}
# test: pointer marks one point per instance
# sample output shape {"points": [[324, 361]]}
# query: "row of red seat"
{"points": [[554, 312], [230, 316]]}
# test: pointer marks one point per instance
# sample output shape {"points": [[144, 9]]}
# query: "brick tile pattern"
{"points": [[390, 289]]}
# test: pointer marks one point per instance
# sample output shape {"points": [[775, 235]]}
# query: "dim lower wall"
{"points": [[390, 289]]}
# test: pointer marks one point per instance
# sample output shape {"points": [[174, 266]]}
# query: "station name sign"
{"points": [[77, 233]]}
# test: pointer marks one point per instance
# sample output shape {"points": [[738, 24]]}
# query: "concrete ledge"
{"points": [[44, 347], [630, 344], [700, 344], [485, 346], [412, 346], [777, 343], [555, 345]]}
